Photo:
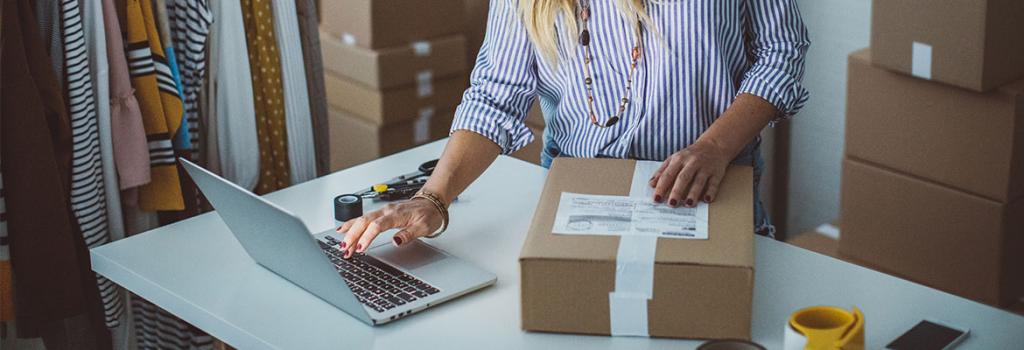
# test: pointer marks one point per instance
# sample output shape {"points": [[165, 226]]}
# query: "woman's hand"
{"points": [[691, 174], [416, 218]]}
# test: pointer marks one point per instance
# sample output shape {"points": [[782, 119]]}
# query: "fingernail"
{"points": [[672, 202], [397, 240], [689, 202], [657, 198], [343, 245], [359, 247], [707, 199], [348, 254]]}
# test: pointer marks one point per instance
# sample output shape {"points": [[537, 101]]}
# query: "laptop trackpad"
{"points": [[409, 257]]}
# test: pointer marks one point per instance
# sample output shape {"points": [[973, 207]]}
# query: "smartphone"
{"points": [[929, 335]]}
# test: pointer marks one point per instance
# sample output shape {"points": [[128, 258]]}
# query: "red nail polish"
{"points": [[689, 202], [343, 245], [707, 199], [672, 202], [398, 240], [657, 198], [359, 247]]}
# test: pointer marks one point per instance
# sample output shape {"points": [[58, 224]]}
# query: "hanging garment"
{"points": [[6, 290], [48, 20], [181, 140], [315, 83], [128, 136], [301, 156], [156, 328], [265, 64], [232, 117], [190, 22], [88, 199], [95, 36], [49, 258], [160, 104]]}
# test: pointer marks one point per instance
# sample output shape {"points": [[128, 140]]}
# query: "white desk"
{"points": [[196, 270]]}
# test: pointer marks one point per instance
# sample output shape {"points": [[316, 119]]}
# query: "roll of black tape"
{"points": [[347, 207]]}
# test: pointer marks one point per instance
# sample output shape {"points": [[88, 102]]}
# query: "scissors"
{"points": [[403, 186]]}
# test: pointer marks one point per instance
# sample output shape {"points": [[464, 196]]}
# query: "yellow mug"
{"points": [[829, 328]]}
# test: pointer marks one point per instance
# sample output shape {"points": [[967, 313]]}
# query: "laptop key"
{"points": [[431, 290], [419, 294], [395, 300], [406, 297]]}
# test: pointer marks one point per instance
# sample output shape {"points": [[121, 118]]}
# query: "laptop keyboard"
{"points": [[375, 283]]}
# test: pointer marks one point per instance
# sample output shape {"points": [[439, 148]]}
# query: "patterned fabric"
{"points": [[88, 199], [705, 53], [301, 156], [160, 104], [190, 22], [156, 328], [265, 64]]}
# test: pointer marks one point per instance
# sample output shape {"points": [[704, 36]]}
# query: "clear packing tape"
{"points": [[634, 269], [824, 328]]}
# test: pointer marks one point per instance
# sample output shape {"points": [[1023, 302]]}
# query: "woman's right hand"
{"points": [[416, 218]]}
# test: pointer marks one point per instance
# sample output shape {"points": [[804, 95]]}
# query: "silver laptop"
{"points": [[380, 286]]}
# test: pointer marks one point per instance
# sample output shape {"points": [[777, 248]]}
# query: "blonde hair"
{"points": [[539, 18]]}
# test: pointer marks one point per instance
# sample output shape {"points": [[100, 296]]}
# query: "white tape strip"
{"points": [[421, 48], [421, 127], [829, 230], [921, 61], [634, 269], [348, 39], [424, 83]]}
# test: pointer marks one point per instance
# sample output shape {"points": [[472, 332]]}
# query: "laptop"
{"points": [[382, 285]]}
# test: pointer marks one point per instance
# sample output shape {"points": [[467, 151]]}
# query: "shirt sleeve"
{"points": [[778, 42], [503, 83]]}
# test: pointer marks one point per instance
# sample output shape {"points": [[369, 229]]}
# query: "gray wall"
{"points": [[837, 28]]}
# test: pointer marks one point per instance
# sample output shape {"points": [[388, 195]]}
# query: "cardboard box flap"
{"points": [[730, 241]]}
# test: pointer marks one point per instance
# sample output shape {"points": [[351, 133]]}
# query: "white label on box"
{"points": [[921, 61], [421, 128], [348, 39], [421, 48], [828, 230], [424, 83], [586, 214]]}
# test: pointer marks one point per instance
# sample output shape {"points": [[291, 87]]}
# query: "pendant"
{"points": [[611, 121]]}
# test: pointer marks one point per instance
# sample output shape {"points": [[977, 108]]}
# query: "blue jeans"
{"points": [[751, 155]]}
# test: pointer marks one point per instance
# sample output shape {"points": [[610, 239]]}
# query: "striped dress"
{"points": [[88, 200], [190, 22], [698, 57]]}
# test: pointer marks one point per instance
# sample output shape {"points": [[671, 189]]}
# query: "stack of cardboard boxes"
{"points": [[394, 71], [933, 178]]}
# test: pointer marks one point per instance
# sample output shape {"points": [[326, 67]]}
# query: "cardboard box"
{"points": [[397, 66], [931, 234], [393, 105], [823, 240], [531, 153], [376, 24], [963, 139], [355, 141], [974, 44], [702, 288]]}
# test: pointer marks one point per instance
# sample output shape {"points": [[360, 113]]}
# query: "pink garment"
{"points": [[131, 152]]}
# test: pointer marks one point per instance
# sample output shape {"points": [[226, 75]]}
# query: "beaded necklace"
{"points": [[635, 54]]}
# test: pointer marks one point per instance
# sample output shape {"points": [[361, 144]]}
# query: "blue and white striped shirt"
{"points": [[711, 51]]}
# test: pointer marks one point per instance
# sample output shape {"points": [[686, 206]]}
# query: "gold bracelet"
{"points": [[439, 205]]}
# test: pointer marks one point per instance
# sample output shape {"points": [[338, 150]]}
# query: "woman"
{"points": [[689, 82]]}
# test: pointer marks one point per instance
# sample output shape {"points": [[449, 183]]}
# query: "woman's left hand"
{"points": [[691, 174]]}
